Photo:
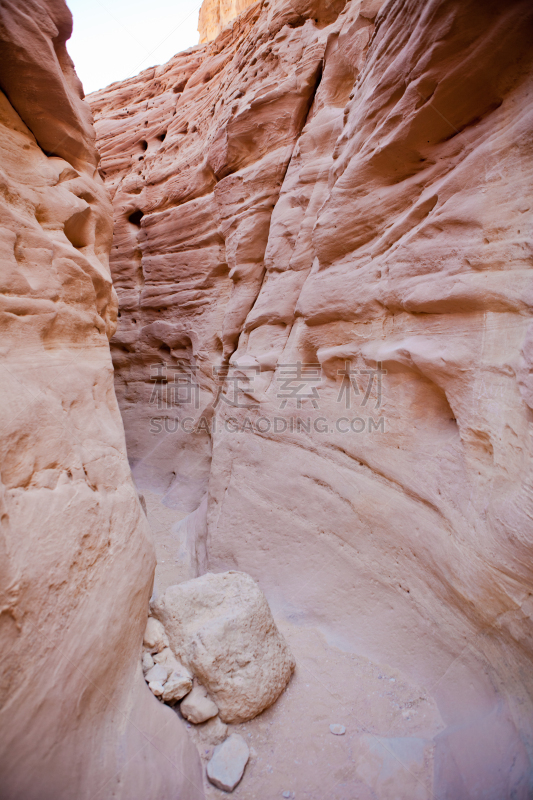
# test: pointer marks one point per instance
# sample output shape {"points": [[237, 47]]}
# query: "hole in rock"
{"points": [[162, 136], [144, 144], [135, 217], [78, 228]]}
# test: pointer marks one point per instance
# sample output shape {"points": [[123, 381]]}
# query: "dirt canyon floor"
{"points": [[308, 338]]}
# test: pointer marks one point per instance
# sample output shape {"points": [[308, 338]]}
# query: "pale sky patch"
{"points": [[115, 39]]}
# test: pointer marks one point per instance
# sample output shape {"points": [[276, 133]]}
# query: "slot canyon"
{"points": [[267, 407]]}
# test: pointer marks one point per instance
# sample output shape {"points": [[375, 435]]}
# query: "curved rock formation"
{"points": [[76, 558], [336, 197]]}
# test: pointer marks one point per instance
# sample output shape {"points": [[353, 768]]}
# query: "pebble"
{"points": [[157, 673], [197, 706], [286, 794], [226, 767], [156, 687], [338, 730], [176, 687], [147, 661]]}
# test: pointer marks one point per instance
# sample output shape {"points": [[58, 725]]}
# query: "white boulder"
{"points": [[222, 628], [226, 767]]}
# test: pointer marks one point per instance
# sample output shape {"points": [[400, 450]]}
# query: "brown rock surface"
{"points": [[76, 558], [215, 15], [323, 184]]}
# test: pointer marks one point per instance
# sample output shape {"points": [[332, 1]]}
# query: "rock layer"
{"points": [[76, 558], [330, 186]]}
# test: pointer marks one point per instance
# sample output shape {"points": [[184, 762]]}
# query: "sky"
{"points": [[115, 39]]}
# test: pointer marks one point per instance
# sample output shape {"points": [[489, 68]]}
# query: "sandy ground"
{"points": [[386, 752]]}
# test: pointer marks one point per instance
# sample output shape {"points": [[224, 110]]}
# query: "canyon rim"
{"points": [[306, 245]]}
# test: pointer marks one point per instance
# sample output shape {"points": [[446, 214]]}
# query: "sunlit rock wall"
{"points": [[330, 186], [76, 559], [216, 14]]}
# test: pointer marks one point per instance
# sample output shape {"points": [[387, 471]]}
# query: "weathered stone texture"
{"points": [[327, 184], [221, 627], [76, 558], [215, 15]]}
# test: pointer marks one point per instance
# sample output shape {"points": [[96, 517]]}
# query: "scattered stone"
{"points": [[214, 731], [226, 767], [286, 794], [207, 735], [157, 673], [222, 628], [176, 687], [147, 661], [156, 687], [338, 730], [167, 659], [197, 706], [155, 638]]}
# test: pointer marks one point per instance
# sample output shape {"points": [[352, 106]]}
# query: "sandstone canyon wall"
{"points": [[215, 15], [76, 557], [346, 186]]}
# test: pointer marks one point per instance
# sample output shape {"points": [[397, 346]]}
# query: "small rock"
{"points": [[226, 768], [155, 638], [147, 661], [214, 731], [338, 730], [286, 794], [176, 687], [157, 673], [197, 706], [156, 687], [167, 659]]}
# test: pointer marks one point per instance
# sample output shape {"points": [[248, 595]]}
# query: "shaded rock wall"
{"points": [[76, 558], [328, 185], [216, 14]]}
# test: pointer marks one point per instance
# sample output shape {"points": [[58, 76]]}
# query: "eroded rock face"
{"points": [[330, 186], [216, 14], [222, 629], [76, 558]]}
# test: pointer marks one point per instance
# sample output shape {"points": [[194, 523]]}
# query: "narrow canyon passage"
{"points": [[322, 251], [266, 360]]}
